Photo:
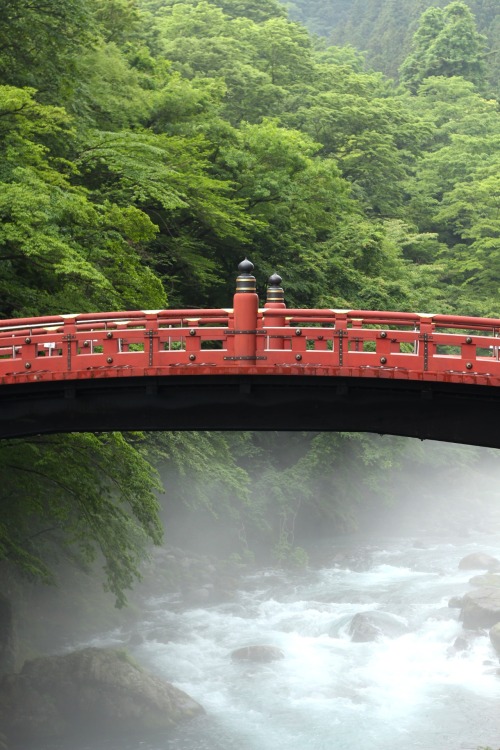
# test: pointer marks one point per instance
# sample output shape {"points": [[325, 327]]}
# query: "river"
{"points": [[412, 690]]}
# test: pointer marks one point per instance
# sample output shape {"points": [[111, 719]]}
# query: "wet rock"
{"points": [[481, 608], [85, 693], [136, 639], [362, 630], [479, 561], [354, 559], [456, 602], [495, 637], [257, 653], [370, 626], [461, 644], [488, 579]]}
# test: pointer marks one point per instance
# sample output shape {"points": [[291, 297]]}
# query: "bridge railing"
{"points": [[387, 341], [246, 339], [122, 340]]}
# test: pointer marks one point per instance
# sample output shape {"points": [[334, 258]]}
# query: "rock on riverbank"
{"points": [[88, 692], [481, 608]]}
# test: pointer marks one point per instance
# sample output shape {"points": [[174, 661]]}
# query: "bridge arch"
{"points": [[272, 368]]}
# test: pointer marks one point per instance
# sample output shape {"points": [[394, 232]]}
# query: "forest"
{"points": [[384, 29], [147, 147]]}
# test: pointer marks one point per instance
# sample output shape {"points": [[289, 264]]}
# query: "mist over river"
{"points": [[413, 690]]}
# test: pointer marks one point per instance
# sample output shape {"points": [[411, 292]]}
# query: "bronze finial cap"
{"points": [[274, 291], [245, 281], [246, 266]]}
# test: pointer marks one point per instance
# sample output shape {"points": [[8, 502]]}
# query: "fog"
{"points": [[374, 533], [438, 489]]}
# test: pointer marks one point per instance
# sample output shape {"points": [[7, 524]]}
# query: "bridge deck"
{"points": [[386, 372]]}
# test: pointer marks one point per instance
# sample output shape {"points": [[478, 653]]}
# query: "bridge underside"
{"points": [[428, 410]]}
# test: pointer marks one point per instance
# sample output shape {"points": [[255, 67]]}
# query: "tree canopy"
{"points": [[148, 146], [447, 44]]}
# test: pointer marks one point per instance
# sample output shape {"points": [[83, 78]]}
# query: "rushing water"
{"points": [[411, 691]]}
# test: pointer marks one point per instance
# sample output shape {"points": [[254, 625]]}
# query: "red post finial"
{"points": [[246, 307]]}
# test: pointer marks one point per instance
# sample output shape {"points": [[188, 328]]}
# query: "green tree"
{"points": [[446, 43], [85, 499], [256, 61], [40, 41], [295, 200], [374, 137], [449, 193], [471, 210], [383, 29], [255, 10], [61, 251]]}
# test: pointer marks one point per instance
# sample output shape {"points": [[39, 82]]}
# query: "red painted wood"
{"points": [[352, 343]]}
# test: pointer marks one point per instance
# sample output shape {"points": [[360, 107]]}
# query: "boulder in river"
{"points": [[461, 644], [487, 579], [88, 693], [456, 602], [479, 561], [495, 637], [372, 625], [257, 653], [481, 608], [359, 559]]}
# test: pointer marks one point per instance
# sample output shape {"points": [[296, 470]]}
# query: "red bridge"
{"points": [[426, 376]]}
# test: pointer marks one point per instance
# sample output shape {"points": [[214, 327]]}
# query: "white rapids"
{"points": [[414, 690]]}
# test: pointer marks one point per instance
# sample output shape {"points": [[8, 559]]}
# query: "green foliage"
{"points": [[204, 470], [83, 498], [256, 10], [286, 555], [40, 41], [373, 137], [453, 193], [112, 94], [296, 202], [446, 43], [62, 252], [384, 29]]}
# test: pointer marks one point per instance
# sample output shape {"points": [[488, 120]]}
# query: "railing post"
{"points": [[70, 341], [275, 300], [151, 339], [427, 347], [341, 336], [246, 307]]}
